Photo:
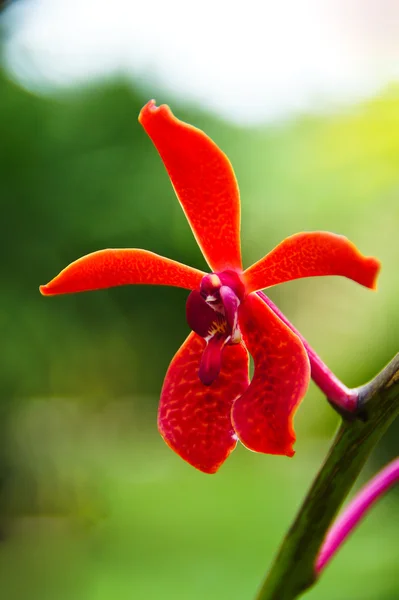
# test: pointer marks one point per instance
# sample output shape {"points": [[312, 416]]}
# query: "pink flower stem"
{"points": [[341, 397], [355, 511]]}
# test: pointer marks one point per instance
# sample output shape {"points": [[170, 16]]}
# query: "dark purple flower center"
{"points": [[212, 312]]}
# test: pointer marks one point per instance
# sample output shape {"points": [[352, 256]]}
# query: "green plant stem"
{"points": [[293, 570]]}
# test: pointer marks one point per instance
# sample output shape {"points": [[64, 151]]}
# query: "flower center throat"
{"points": [[212, 312]]}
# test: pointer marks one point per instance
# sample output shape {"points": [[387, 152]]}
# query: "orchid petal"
{"points": [[262, 416], [204, 182], [309, 255], [194, 419], [109, 268]]}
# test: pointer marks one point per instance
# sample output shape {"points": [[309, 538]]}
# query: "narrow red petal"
{"points": [[109, 268], [309, 255], [262, 416], [194, 419], [204, 182]]}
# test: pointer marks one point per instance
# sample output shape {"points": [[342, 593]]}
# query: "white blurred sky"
{"points": [[246, 60]]}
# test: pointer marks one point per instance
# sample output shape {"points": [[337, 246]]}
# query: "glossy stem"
{"points": [[355, 511], [343, 398]]}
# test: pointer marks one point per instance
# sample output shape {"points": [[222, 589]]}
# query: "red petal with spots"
{"points": [[204, 182], [108, 268], [262, 416], [194, 419], [309, 255]]}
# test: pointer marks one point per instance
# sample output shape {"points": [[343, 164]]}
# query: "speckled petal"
{"points": [[312, 254], [194, 419], [204, 182], [262, 416], [109, 268]]}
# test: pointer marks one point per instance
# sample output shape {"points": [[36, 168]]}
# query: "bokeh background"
{"points": [[304, 99]]}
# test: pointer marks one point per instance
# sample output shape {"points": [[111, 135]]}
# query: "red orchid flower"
{"points": [[207, 401]]}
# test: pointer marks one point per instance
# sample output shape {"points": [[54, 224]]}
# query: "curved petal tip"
{"points": [[44, 290], [374, 268], [151, 109]]}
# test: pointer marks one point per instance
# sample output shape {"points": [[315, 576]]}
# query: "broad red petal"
{"points": [[194, 419], [309, 255], [108, 268], [204, 182], [262, 416]]}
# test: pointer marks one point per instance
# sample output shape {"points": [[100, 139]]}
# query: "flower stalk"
{"points": [[294, 568], [355, 511]]}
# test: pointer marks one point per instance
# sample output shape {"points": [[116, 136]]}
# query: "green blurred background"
{"points": [[94, 506]]}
